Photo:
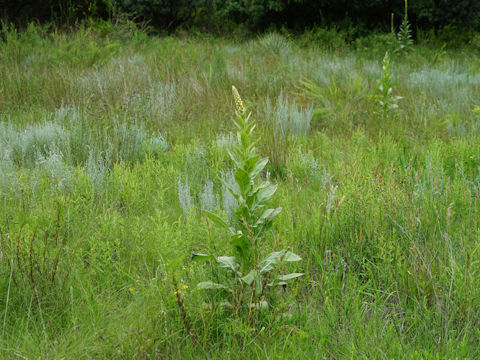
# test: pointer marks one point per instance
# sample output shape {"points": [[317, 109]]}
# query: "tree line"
{"points": [[254, 15]]}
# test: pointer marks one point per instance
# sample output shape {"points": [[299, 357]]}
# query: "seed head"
{"points": [[238, 100]]}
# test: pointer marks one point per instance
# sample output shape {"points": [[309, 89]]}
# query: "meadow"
{"points": [[113, 144]]}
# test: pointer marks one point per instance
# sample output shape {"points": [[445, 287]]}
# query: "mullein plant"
{"points": [[404, 40], [386, 100], [247, 277]]}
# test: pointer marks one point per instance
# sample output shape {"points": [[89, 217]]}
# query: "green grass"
{"points": [[111, 143]]}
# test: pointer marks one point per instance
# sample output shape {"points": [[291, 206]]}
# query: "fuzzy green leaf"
{"points": [[240, 242], [291, 257], [289, 276], [248, 279], [210, 285], [259, 166], [267, 216], [260, 305], [228, 262], [276, 257], [242, 178], [270, 261], [216, 219], [250, 163], [265, 194], [202, 257]]}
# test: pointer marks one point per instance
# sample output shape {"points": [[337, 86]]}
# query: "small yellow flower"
{"points": [[471, 157], [238, 100], [175, 292], [185, 287], [131, 290], [184, 268]]}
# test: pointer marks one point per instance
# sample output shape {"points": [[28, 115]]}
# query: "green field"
{"points": [[112, 143]]}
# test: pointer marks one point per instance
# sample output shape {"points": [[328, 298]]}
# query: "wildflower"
{"points": [[238, 100], [131, 289], [185, 287], [175, 292]]}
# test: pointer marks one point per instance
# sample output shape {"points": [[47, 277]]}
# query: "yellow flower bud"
{"points": [[238, 100]]}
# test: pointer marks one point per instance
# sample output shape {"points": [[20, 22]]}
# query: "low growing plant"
{"points": [[248, 277]]}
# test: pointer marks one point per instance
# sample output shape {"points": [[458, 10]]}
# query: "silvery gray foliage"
{"points": [[442, 80], [288, 117], [208, 200], [132, 143], [56, 146], [229, 204], [96, 168], [157, 145], [310, 165], [55, 167], [158, 102], [129, 140], [24, 147], [224, 140], [184, 196]]}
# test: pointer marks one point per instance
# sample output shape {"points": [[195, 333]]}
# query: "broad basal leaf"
{"points": [[228, 262], [210, 285], [248, 279], [291, 257], [289, 276], [267, 216], [216, 219], [202, 257], [265, 194], [274, 258]]}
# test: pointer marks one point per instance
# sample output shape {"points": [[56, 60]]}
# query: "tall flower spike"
{"points": [[238, 100]]}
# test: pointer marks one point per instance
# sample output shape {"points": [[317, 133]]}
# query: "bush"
{"points": [[165, 14]]}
